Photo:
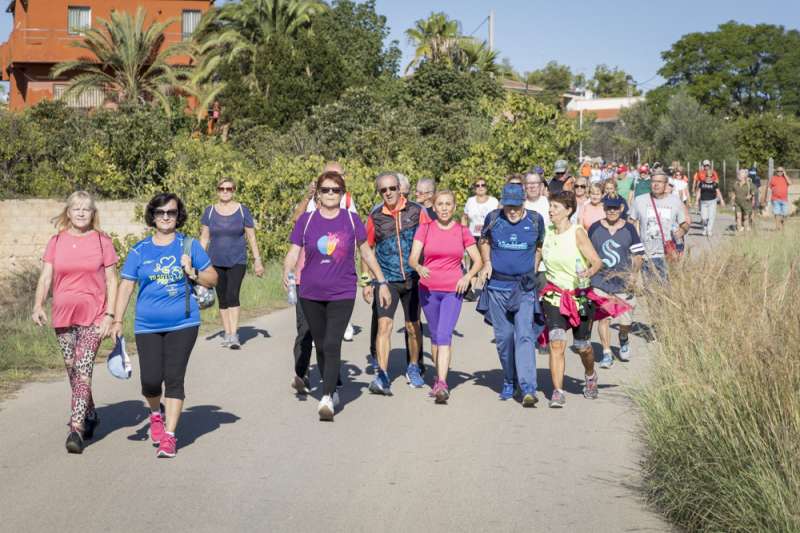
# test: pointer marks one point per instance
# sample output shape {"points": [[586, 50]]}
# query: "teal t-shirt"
{"points": [[624, 186], [642, 187], [161, 303]]}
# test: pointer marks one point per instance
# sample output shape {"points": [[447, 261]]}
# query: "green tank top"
{"points": [[559, 254]]}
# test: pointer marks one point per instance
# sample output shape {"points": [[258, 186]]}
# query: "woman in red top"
{"points": [[779, 194], [79, 264], [442, 282]]}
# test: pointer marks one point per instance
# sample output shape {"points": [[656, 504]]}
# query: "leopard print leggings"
{"points": [[79, 346]]}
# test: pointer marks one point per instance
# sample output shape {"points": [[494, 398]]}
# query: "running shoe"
{"points": [[300, 385], [335, 399], [529, 399], [413, 377], [590, 387], [372, 365], [89, 425], [381, 384], [74, 442], [607, 360], [325, 409], [624, 351], [508, 391], [168, 447], [440, 391], [226, 341], [157, 430], [234, 342], [348, 333], [558, 399]]}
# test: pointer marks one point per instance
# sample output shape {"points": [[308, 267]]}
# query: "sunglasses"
{"points": [[480, 185], [330, 190], [384, 190], [166, 213], [225, 189], [581, 186]]}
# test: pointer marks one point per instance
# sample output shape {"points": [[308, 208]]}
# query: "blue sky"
{"points": [[630, 34]]}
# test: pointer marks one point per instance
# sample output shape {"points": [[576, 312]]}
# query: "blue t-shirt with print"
{"points": [[161, 302], [616, 252], [513, 246]]}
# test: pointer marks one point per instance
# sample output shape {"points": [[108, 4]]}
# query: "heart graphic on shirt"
{"points": [[327, 244], [165, 264]]}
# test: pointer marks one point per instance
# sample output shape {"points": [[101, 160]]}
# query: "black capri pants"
{"points": [[229, 283], [163, 358]]}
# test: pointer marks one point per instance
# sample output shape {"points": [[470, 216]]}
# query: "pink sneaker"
{"points": [[441, 392], [168, 447], [157, 430]]}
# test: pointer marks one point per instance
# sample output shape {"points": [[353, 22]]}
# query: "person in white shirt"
{"points": [[535, 200], [477, 207]]}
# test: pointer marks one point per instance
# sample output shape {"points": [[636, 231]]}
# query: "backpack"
{"points": [[495, 216], [205, 297]]}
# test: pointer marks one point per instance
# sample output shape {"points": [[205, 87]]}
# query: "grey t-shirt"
{"points": [[672, 214]]}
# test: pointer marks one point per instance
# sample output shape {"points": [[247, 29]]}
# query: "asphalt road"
{"points": [[254, 457]]}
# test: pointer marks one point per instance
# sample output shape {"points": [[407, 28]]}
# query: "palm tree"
{"points": [[127, 61], [435, 38], [474, 55]]}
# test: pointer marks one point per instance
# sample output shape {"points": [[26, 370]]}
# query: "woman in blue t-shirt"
{"points": [[225, 226], [167, 318]]}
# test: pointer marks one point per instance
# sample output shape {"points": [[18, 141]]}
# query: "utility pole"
{"points": [[491, 30]]}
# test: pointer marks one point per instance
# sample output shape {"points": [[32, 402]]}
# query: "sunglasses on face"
{"points": [[384, 190], [581, 186], [480, 185], [330, 190], [225, 189], [166, 213]]}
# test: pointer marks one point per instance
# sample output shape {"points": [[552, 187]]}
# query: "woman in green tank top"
{"points": [[570, 261]]}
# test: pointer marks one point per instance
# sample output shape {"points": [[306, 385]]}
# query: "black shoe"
{"points": [[74, 442], [89, 425]]}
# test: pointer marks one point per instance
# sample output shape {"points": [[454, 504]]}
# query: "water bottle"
{"points": [[291, 299], [583, 283]]}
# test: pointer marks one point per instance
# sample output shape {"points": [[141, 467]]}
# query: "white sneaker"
{"points": [[325, 408], [335, 398], [348, 333], [226, 341]]}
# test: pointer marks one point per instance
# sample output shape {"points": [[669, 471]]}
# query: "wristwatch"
{"points": [[364, 280]]}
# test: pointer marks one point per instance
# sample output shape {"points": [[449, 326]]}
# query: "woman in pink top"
{"points": [[79, 265], [442, 282], [592, 210]]}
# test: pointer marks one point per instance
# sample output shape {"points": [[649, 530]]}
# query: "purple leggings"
{"points": [[442, 310]]}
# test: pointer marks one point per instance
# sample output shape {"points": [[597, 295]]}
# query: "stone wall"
{"points": [[25, 227]]}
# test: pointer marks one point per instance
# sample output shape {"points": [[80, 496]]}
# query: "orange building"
{"points": [[43, 30]]}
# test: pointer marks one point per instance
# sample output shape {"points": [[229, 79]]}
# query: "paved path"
{"points": [[253, 457]]}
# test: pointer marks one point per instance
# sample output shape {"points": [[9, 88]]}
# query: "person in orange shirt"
{"points": [[779, 194], [700, 176]]}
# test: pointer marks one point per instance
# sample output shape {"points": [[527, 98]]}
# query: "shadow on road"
{"points": [[117, 416], [246, 333], [195, 422]]}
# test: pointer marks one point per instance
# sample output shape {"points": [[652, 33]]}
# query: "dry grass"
{"points": [[721, 414]]}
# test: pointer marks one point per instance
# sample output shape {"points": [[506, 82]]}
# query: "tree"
{"points": [[608, 82], [738, 69], [474, 55], [127, 63], [554, 79], [435, 39], [760, 137]]}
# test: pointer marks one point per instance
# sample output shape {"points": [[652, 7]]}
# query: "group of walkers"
{"points": [[549, 256]]}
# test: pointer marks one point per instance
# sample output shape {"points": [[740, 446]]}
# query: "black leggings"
{"points": [[163, 358], [327, 321], [229, 282]]}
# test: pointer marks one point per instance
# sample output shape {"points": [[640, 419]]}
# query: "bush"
{"points": [[722, 413]]}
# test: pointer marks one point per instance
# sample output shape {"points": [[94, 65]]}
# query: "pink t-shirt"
{"points": [[591, 214], [443, 250], [79, 278]]}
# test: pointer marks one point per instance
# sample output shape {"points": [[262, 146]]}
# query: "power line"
{"points": [[479, 26]]}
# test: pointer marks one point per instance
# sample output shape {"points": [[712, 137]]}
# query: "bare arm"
{"points": [[413, 260], [303, 205], [111, 297], [485, 250], [368, 257], [290, 263], [588, 251], [477, 264], [720, 198], [42, 290], [205, 236], [250, 234], [124, 292]]}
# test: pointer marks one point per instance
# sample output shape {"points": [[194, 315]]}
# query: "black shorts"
{"points": [[405, 293], [229, 283], [556, 321]]}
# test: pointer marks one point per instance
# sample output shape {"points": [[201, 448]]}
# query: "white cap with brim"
{"points": [[119, 364]]}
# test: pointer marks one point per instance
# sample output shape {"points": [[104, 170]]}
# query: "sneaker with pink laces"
{"points": [[441, 392], [168, 447], [157, 430]]}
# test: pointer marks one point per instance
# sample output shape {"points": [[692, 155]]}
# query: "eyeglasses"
{"points": [[384, 190], [225, 189], [480, 185], [658, 181], [531, 183], [580, 186], [166, 213], [330, 190]]}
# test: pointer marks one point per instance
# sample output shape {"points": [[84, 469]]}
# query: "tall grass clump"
{"points": [[721, 413]]}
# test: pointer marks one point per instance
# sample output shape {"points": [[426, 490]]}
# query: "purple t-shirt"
{"points": [[330, 245]]}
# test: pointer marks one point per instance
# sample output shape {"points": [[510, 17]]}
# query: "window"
{"points": [[79, 19], [189, 22], [89, 99]]}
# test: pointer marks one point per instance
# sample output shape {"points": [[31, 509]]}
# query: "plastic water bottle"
{"points": [[583, 283], [291, 299]]}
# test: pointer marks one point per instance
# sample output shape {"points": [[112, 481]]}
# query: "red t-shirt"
{"points": [[780, 188], [443, 251], [79, 278]]}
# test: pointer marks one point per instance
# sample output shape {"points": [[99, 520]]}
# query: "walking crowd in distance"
{"points": [[552, 255]]}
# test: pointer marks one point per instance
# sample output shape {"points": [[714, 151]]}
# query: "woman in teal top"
{"points": [[565, 253]]}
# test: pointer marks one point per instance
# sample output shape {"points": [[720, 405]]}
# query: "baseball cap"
{"points": [[706, 163], [614, 202], [658, 172], [644, 169], [513, 195], [622, 168], [119, 364], [538, 170], [560, 166]]}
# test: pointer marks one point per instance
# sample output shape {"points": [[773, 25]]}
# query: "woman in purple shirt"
{"points": [[225, 225], [329, 236]]}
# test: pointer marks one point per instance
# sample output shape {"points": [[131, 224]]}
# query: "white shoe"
{"points": [[348, 333], [335, 398], [226, 341], [325, 408]]}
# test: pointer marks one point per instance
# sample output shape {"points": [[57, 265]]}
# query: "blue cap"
{"points": [[513, 195], [538, 170], [614, 202], [752, 172], [119, 364]]}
